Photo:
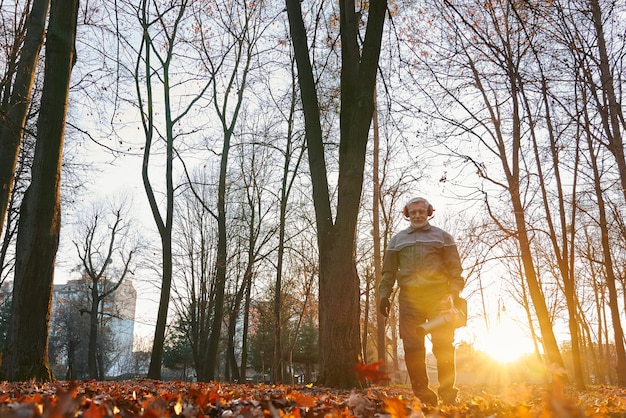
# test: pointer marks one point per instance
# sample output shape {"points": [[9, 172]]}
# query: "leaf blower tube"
{"points": [[455, 315]]}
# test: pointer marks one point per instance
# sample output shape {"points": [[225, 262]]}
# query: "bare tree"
{"points": [[69, 332], [195, 259], [292, 151], [607, 101], [486, 58], [156, 67], [15, 96], [257, 232], [608, 262], [9, 234], [104, 237], [339, 283], [560, 223], [26, 356], [307, 276], [581, 29], [381, 342], [243, 25]]}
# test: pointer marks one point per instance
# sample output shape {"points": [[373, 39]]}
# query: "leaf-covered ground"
{"points": [[148, 398]]}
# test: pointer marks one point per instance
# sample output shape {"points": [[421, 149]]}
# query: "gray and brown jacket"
{"points": [[424, 262]]}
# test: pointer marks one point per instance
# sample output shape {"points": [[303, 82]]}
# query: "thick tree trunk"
{"points": [[16, 109], [339, 288], [40, 217], [339, 312]]}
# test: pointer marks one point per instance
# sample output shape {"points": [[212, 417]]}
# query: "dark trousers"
{"points": [[413, 339]]}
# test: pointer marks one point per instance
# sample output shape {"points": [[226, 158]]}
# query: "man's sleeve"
{"points": [[452, 261], [390, 268]]}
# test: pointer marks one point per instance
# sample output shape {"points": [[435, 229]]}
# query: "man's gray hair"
{"points": [[417, 199]]}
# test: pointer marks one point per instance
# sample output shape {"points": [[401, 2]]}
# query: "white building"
{"points": [[117, 314]]}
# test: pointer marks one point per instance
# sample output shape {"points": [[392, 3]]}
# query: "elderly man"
{"points": [[424, 261]]}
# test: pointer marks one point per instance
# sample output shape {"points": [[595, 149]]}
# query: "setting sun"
{"points": [[505, 343]]}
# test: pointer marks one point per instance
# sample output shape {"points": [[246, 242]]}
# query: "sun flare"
{"points": [[505, 343]]}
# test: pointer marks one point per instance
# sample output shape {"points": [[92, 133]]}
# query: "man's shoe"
{"points": [[427, 397], [450, 401], [449, 397]]}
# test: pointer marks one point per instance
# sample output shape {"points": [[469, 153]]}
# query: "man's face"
{"points": [[418, 214]]}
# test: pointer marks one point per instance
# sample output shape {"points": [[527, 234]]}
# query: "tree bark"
{"points": [[243, 365], [381, 335], [40, 215], [220, 264], [92, 360], [339, 289], [16, 110]]}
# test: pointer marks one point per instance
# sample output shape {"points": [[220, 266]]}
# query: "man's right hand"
{"points": [[384, 307]]}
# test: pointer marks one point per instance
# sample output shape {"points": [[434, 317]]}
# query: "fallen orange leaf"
{"points": [[395, 407], [372, 372]]}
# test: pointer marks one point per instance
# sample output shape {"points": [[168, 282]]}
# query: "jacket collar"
{"points": [[410, 229]]}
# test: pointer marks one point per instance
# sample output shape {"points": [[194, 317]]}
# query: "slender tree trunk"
{"points": [[366, 321], [40, 216], [618, 333], [231, 366], [92, 363], [11, 220], [244, 46], [147, 103], [550, 345], [561, 250], [163, 223], [15, 109], [156, 357], [612, 114], [507, 145], [512, 172], [533, 333], [286, 185], [511, 149], [603, 362], [220, 268], [244, 337], [69, 374], [277, 362], [100, 363], [591, 350], [296, 331], [381, 340]]}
